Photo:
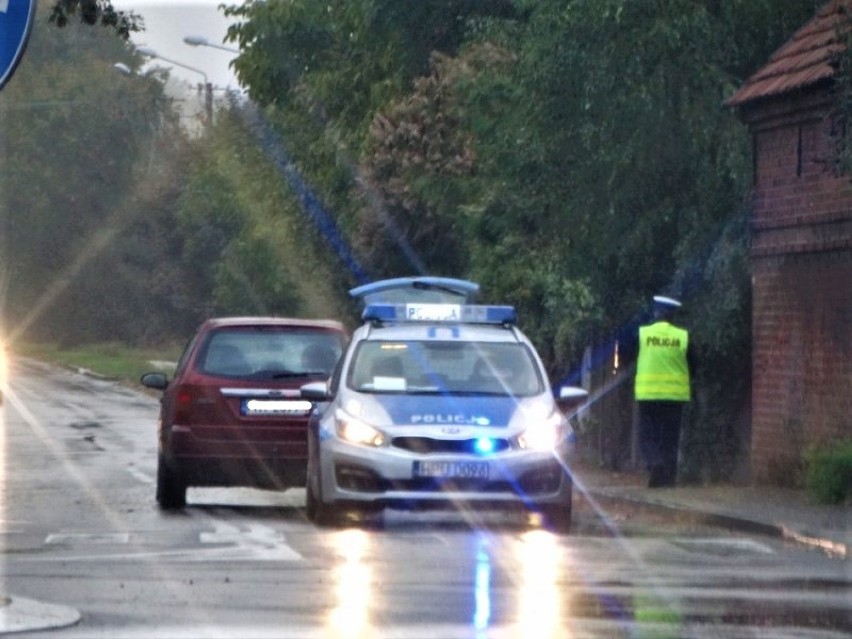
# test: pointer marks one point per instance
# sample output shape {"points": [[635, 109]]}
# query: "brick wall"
{"points": [[802, 285]]}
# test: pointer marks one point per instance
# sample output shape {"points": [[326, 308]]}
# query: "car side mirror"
{"points": [[570, 398], [315, 391], [157, 381]]}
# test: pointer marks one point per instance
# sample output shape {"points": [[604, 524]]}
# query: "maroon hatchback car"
{"points": [[232, 415]]}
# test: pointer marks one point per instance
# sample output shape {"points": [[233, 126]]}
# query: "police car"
{"points": [[437, 403]]}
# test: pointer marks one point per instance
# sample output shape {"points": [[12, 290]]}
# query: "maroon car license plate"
{"points": [[451, 469], [275, 407]]}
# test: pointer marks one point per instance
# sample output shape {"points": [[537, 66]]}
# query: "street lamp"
{"points": [[208, 87], [201, 41]]}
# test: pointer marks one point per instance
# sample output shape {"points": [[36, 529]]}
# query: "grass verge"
{"points": [[108, 359], [829, 472]]}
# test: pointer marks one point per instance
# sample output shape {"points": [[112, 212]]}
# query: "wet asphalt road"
{"points": [[81, 529]]}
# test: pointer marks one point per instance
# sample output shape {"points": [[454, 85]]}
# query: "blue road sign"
{"points": [[16, 22]]}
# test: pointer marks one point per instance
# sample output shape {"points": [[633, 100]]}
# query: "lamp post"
{"points": [[208, 87], [201, 41], [122, 68]]}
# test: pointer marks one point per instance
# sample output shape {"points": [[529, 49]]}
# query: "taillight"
{"points": [[184, 401]]}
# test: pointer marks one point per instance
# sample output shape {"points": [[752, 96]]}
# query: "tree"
{"points": [[95, 12], [76, 136]]}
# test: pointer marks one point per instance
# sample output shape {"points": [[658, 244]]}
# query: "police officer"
{"points": [[662, 389]]}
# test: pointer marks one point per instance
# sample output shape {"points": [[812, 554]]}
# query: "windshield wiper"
{"points": [[283, 374]]}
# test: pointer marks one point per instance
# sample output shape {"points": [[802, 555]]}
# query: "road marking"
{"points": [[259, 542], [226, 542], [89, 538], [145, 478]]}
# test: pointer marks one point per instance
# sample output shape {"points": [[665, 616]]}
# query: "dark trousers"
{"points": [[659, 437]]}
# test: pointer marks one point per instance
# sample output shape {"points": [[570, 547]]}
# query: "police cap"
{"points": [[666, 302]]}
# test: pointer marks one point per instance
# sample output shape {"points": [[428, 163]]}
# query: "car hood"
{"points": [[425, 411]]}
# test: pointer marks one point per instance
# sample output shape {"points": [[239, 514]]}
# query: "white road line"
{"points": [[142, 476], [90, 538]]}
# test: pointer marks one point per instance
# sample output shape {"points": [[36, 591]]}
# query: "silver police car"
{"points": [[437, 403]]}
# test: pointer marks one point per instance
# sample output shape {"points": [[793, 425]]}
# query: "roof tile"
{"points": [[803, 60]]}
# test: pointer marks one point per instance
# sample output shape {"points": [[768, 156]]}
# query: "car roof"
{"points": [[226, 322]]}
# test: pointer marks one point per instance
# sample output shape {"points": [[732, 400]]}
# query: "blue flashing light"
{"points": [[439, 313], [381, 313], [484, 445], [500, 314]]}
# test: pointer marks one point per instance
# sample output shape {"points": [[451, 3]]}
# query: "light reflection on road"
{"points": [[353, 585], [535, 607], [539, 560], [536, 561], [482, 587]]}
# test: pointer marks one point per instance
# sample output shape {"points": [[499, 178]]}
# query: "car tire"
{"points": [[557, 517], [310, 501], [171, 488], [318, 512], [369, 516]]}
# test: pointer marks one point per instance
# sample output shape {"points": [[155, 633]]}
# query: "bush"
{"points": [[829, 472]]}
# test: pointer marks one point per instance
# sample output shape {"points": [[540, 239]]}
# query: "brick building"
{"points": [[801, 249]]}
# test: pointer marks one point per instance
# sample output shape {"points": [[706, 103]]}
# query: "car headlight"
{"points": [[355, 431], [545, 434]]}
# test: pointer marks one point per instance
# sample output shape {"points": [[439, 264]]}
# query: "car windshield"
{"points": [[270, 354], [430, 367]]}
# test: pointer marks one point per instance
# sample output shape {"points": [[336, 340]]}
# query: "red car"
{"points": [[232, 415]]}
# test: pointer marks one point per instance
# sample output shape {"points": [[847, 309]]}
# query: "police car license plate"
{"points": [[467, 470]]}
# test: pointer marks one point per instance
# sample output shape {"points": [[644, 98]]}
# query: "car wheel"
{"points": [[310, 501], [319, 512], [326, 515], [369, 516], [171, 488], [557, 517]]}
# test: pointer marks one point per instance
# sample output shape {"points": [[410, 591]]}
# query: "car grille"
{"points": [[427, 445], [544, 480]]}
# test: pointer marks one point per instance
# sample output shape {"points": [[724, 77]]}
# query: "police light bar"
{"points": [[458, 313]]}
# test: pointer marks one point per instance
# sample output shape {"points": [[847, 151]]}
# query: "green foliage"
{"points": [[715, 435], [249, 277], [247, 239], [95, 12], [419, 163], [76, 134], [349, 57], [828, 471]]}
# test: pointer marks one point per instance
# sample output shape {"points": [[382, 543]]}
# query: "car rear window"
{"points": [[270, 353]]}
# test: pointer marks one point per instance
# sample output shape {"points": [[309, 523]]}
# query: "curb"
{"points": [[92, 374], [834, 547], [18, 614]]}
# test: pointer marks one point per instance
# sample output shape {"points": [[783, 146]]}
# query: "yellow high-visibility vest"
{"points": [[662, 372]]}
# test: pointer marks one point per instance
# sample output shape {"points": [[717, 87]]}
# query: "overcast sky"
{"points": [[167, 22]]}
